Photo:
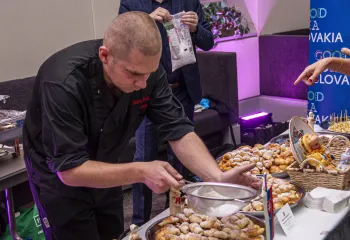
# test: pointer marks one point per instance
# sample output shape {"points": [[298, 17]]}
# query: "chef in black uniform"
{"points": [[88, 101]]}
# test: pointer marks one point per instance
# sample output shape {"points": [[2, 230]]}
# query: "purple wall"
{"points": [[282, 59]]}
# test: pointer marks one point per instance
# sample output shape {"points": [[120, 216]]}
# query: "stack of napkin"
{"points": [[329, 200]]}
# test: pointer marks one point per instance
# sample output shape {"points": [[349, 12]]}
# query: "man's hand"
{"points": [[238, 175], [191, 20], [160, 15], [160, 176], [311, 73]]}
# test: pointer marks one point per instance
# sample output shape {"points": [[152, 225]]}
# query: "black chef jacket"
{"points": [[73, 117]]}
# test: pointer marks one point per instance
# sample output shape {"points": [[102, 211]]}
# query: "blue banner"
{"points": [[329, 32]]}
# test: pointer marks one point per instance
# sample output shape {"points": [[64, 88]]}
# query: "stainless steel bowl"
{"points": [[218, 199]]}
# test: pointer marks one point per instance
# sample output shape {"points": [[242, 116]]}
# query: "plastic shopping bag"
{"points": [[28, 225], [181, 48]]}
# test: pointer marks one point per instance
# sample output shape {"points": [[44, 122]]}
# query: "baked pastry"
{"points": [[169, 220], [211, 223], [266, 158], [182, 217], [259, 146], [275, 169], [258, 206], [192, 236], [236, 226], [283, 192], [195, 228], [277, 203], [171, 229], [195, 218], [267, 163], [283, 167], [188, 212], [133, 233], [230, 219], [280, 161], [253, 232], [242, 223], [184, 227]]}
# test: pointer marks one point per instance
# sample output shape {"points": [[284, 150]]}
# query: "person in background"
{"points": [[185, 84], [311, 73]]}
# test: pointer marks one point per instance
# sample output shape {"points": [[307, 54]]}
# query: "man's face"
{"points": [[131, 73]]}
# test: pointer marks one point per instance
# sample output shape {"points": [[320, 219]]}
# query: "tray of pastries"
{"points": [[192, 226], [271, 158], [283, 192], [339, 125]]}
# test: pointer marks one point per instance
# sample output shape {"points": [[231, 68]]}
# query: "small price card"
{"points": [[286, 219]]}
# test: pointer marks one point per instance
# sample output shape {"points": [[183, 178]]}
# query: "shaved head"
{"points": [[132, 31], [131, 51]]}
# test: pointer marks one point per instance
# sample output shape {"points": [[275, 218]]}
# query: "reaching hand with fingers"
{"points": [[346, 51], [191, 20], [238, 176], [159, 176], [311, 73], [160, 15]]}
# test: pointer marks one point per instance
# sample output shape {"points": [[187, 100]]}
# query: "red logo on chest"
{"points": [[143, 102]]}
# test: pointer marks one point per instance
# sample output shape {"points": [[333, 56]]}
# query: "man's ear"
{"points": [[104, 54]]}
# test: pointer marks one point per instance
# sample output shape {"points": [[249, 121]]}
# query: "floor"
{"points": [[158, 206]]}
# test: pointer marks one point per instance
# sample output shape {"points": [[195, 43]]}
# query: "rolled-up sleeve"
{"points": [[63, 133], [166, 111]]}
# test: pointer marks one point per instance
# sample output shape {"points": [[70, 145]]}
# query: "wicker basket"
{"points": [[310, 178], [337, 146]]}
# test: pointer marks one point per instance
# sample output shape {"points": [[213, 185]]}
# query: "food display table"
{"points": [[310, 224], [12, 172]]}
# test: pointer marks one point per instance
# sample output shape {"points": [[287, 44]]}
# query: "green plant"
{"points": [[225, 21]]}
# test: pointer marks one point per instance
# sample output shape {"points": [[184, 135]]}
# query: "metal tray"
{"points": [[261, 213], [152, 230], [280, 139], [325, 125], [10, 134]]}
